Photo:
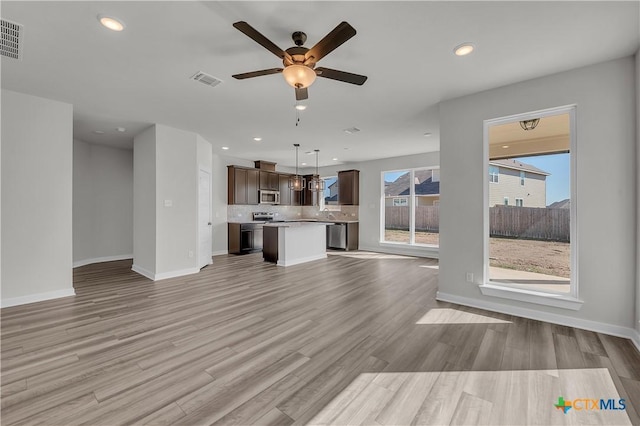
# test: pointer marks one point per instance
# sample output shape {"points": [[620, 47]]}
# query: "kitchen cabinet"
{"points": [[242, 185], [269, 181], [244, 237], [349, 187]]}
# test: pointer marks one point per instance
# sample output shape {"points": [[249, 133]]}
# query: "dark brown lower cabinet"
{"points": [[244, 238], [270, 247]]}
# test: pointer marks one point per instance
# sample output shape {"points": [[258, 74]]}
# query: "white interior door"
{"points": [[204, 219]]}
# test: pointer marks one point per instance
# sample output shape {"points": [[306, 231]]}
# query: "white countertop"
{"points": [[296, 224]]}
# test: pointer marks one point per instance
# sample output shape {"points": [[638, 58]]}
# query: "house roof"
{"points": [[424, 184], [518, 165]]}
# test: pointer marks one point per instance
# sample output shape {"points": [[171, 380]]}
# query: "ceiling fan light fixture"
{"points": [[299, 76]]}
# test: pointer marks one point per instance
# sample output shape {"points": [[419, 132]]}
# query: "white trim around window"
{"points": [[571, 300]]}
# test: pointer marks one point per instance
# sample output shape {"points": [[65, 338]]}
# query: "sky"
{"points": [[559, 183]]}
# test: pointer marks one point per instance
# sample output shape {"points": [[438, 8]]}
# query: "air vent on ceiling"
{"points": [[205, 78], [11, 39]]}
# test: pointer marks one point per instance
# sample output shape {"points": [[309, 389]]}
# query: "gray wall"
{"points": [[606, 116], [36, 198], [102, 203]]}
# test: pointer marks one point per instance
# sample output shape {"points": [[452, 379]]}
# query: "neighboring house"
{"points": [[333, 193], [427, 189], [514, 183]]}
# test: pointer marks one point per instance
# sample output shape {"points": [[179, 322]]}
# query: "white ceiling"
{"points": [[141, 76]]}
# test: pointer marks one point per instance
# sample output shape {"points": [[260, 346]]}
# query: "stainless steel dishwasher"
{"points": [[337, 236]]}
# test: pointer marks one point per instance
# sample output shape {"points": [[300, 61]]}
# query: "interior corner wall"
{"points": [[144, 202], [102, 203], [36, 169], [606, 163]]}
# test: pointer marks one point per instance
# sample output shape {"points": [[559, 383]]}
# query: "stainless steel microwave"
{"points": [[269, 197]]}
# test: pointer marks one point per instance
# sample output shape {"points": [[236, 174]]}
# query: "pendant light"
{"points": [[529, 124], [316, 184], [296, 182]]}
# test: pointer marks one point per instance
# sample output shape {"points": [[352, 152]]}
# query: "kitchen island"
{"points": [[292, 243]]}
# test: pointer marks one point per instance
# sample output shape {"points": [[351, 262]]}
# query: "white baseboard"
{"points": [[33, 298], [144, 272], [636, 339], [598, 327], [164, 275], [174, 274], [302, 260], [431, 253], [220, 253], [102, 259]]}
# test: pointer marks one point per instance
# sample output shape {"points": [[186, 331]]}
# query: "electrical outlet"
{"points": [[469, 277], [190, 254]]}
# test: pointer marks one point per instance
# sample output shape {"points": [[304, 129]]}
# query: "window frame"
{"points": [[411, 204], [571, 300], [522, 177], [521, 202]]}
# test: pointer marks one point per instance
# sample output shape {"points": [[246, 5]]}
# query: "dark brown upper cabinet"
{"points": [[349, 187], [242, 185]]}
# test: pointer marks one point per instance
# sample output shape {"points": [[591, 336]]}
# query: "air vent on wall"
{"points": [[205, 78], [11, 39]]}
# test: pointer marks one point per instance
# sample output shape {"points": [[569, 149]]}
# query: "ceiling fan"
{"points": [[299, 62]]}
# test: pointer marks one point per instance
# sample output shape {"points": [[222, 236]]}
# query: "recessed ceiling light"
{"points": [[301, 107], [463, 49], [304, 164], [257, 139], [114, 24], [335, 159], [121, 129], [427, 134], [98, 132], [505, 146], [351, 130], [225, 148]]}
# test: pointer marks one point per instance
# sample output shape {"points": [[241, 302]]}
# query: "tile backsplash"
{"points": [[243, 213]]}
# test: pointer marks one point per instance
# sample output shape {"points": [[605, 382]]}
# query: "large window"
{"points": [[529, 243], [410, 213]]}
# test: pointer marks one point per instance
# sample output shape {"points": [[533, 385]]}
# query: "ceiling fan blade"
{"points": [[302, 94], [254, 34], [331, 41], [347, 77], [257, 73]]}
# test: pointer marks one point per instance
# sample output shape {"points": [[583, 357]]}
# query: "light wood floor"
{"points": [[346, 340]]}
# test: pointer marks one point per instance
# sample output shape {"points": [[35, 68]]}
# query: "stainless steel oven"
{"points": [[269, 197]]}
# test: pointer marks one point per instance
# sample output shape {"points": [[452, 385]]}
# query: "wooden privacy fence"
{"points": [[504, 221], [530, 222], [427, 218]]}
